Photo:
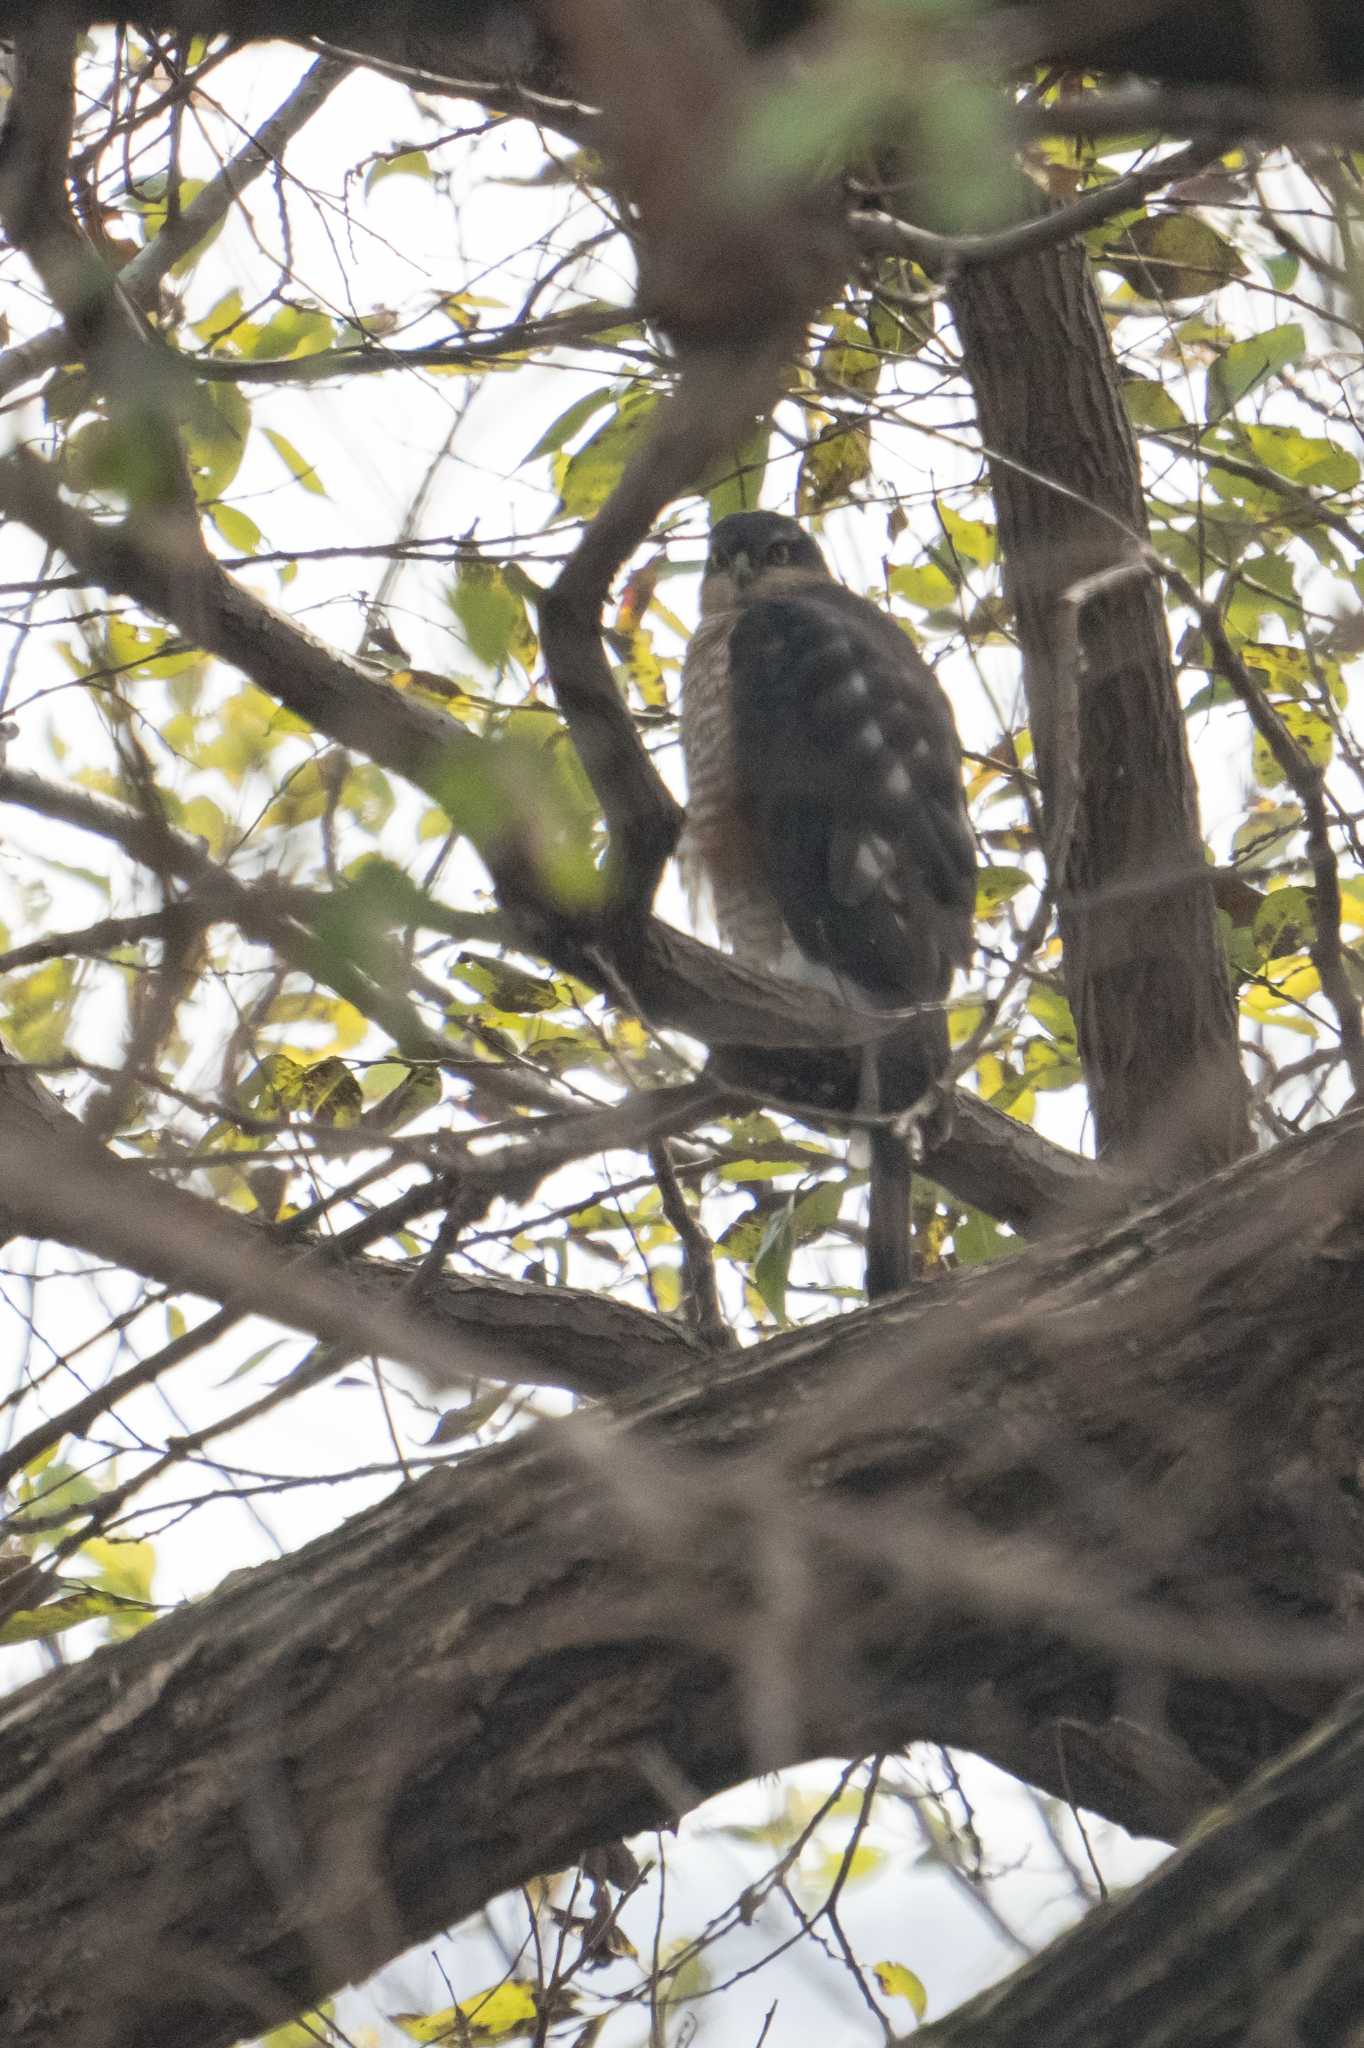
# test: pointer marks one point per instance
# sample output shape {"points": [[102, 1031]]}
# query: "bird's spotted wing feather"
{"points": [[848, 767]]}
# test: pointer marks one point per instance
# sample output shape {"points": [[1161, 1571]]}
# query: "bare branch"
{"points": [[1308, 783], [880, 234], [140, 278]]}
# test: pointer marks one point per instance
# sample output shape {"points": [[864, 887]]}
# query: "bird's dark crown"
{"points": [[764, 540]]}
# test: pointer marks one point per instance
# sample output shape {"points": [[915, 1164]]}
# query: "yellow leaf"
{"points": [[847, 360], [866, 1860], [497, 2014], [832, 463], [36, 1624], [666, 1282], [1314, 738], [331, 1094], [1352, 903], [123, 1568], [298, 2034], [897, 1981], [1296, 984]]}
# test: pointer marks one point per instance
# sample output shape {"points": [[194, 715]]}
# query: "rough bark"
{"points": [[1145, 967], [1316, 43], [1064, 1510], [1248, 1939]]}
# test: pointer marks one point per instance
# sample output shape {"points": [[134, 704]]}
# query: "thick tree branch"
{"points": [[59, 1184], [1226, 42], [1076, 1536], [1251, 1935]]}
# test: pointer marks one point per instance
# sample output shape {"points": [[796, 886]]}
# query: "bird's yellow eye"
{"points": [[778, 553]]}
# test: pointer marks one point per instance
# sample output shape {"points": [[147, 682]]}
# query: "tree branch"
{"points": [[677, 982], [1145, 968], [1069, 1452], [1250, 1935], [139, 279]]}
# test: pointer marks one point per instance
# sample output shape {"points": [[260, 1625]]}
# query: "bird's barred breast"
{"points": [[718, 853]]}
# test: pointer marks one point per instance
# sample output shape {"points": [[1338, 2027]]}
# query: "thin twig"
{"points": [[698, 1263], [1308, 783], [880, 234]]}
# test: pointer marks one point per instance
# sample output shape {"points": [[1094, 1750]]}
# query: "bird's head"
{"points": [[756, 547]]}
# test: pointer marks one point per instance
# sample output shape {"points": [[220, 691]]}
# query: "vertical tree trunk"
{"points": [[1145, 967]]}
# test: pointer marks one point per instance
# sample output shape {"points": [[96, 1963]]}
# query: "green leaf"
{"points": [[225, 313], [1150, 404], [203, 819], [569, 422], [1265, 584], [997, 885], [510, 988], [1166, 256], [124, 1570], [50, 1489], [148, 650], [1284, 923], [1305, 459], [292, 331], [586, 480], [1245, 364], [977, 1238], [68, 1610], [492, 614], [237, 528], [215, 437], [504, 2010], [924, 584], [1280, 669], [113, 458], [847, 361], [1053, 1013], [734, 482], [773, 1261], [330, 1093], [527, 785], [815, 1212], [38, 1009], [972, 540], [297, 2034], [297, 465], [1049, 1065], [412, 163], [1262, 838], [149, 198], [899, 330], [418, 1091], [1313, 735], [831, 465]]}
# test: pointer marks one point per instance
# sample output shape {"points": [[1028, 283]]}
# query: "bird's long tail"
{"points": [[890, 1264], [901, 1070]]}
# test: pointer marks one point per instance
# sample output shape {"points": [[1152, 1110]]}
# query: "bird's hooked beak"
{"points": [[741, 569]]}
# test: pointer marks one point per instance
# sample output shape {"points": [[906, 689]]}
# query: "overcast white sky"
{"points": [[372, 441]]}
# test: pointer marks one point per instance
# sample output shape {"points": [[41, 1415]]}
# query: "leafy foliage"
{"points": [[273, 964]]}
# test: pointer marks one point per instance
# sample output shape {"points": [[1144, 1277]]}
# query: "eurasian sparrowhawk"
{"points": [[825, 810]]}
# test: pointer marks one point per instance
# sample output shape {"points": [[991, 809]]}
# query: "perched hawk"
{"points": [[825, 811]]}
